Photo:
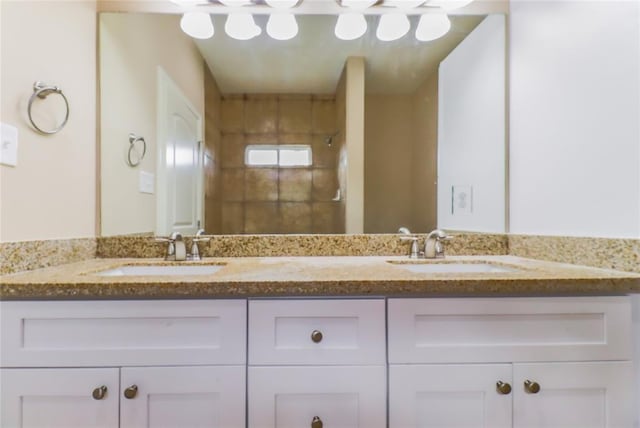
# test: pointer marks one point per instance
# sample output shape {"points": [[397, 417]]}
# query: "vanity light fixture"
{"points": [[350, 26], [241, 26], [282, 26], [432, 26], [392, 26], [197, 25], [450, 4]]}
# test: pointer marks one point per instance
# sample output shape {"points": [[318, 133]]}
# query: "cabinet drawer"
{"points": [[317, 332], [101, 333], [340, 397], [509, 329]]}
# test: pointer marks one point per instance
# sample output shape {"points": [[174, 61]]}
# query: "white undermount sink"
{"points": [[161, 270], [426, 267]]}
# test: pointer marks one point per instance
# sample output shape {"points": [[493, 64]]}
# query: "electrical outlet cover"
{"points": [[462, 200], [8, 145]]}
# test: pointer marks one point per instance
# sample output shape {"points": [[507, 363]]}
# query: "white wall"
{"points": [[575, 109], [52, 191], [471, 129], [575, 123]]}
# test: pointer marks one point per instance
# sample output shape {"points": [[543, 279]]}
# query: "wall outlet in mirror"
{"points": [[461, 200], [146, 182], [8, 145]]}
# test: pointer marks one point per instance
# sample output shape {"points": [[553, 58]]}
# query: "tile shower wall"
{"points": [[279, 200]]}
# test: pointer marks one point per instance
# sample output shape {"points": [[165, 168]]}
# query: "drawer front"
{"points": [[317, 332], [509, 329], [339, 397], [163, 332]]}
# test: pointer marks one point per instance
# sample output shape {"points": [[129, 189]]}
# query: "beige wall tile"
{"points": [[261, 115], [257, 139], [295, 139], [323, 116], [294, 115], [261, 217], [295, 184], [325, 217], [232, 115], [323, 155], [325, 184], [233, 184], [232, 218], [261, 184], [295, 217], [233, 150]]}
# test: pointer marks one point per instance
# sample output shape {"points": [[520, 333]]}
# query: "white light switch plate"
{"points": [[8, 145], [146, 182]]}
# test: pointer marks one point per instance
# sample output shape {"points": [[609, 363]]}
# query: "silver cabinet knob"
{"points": [[316, 336], [99, 393], [316, 422], [131, 392], [531, 387]]}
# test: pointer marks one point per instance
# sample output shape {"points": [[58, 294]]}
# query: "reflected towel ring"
{"points": [[133, 139], [42, 91]]}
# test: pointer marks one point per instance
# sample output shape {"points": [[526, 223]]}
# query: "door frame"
{"points": [[165, 86]]}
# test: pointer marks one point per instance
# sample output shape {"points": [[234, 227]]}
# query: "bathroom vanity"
{"points": [[318, 342]]}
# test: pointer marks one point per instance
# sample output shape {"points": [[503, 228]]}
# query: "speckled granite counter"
{"points": [[316, 276]]}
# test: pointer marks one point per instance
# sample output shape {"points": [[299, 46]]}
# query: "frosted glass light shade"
{"points": [[404, 4], [282, 4], [197, 25], [282, 26], [241, 26], [235, 3], [358, 4], [450, 4], [350, 26], [432, 26], [392, 26]]}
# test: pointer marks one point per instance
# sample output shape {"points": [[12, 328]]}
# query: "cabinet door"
{"points": [[573, 395], [59, 398], [448, 396], [331, 397], [180, 397]]}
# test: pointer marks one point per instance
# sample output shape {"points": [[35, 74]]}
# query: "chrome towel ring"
{"points": [[133, 139], [42, 91]]}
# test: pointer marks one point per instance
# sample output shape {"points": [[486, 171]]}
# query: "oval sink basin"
{"points": [[162, 270], [453, 267]]}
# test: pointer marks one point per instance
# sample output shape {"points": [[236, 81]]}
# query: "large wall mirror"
{"points": [[309, 135]]}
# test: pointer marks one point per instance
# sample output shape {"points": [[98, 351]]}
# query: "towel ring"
{"points": [[42, 90], [133, 139]]}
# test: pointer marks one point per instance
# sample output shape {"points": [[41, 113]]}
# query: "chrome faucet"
{"points": [[195, 251], [433, 246], [414, 252], [176, 250]]}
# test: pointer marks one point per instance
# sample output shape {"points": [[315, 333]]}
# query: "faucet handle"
{"points": [[415, 252]]}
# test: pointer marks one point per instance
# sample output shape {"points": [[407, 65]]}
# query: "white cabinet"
{"points": [[59, 398], [573, 395], [177, 364], [338, 397], [568, 359], [317, 363], [450, 396]]}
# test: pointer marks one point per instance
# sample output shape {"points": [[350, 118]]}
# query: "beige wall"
{"points": [[278, 200], [425, 155], [354, 215], [132, 47], [389, 142], [340, 144], [52, 192], [212, 155]]}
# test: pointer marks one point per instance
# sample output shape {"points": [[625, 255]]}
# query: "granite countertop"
{"points": [[316, 276]]}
